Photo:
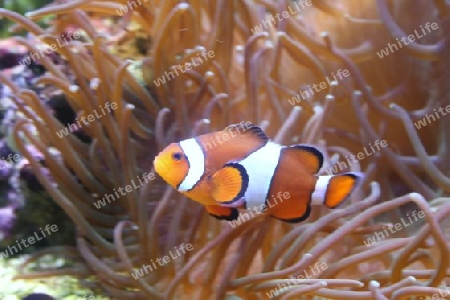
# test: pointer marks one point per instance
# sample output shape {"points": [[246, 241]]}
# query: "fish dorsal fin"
{"points": [[229, 183], [248, 129], [339, 188], [309, 156]]}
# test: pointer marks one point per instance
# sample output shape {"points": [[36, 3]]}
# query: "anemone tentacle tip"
{"points": [[268, 44], [318, 109], [94, 83], [183, 6], [74, 88], [416, 196], [209, 74]]}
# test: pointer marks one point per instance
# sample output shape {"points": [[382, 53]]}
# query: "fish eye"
{"points": [[177, 156]]}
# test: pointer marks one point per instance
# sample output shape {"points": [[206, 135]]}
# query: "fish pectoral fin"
{"points": [[310, 157], [229, 183], [292, 214], [340, 187], [222, 213]]}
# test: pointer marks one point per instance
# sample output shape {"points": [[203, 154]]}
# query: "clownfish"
{"points": [[241, 168]]}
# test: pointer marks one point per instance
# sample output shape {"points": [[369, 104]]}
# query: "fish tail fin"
{"points": [[333, 190]]}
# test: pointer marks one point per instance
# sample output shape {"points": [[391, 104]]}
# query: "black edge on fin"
{"points": [[311, 149], [233, 216], [244, 177], [299, 219]]}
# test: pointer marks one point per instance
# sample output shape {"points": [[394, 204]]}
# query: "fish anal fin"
{"points": [[339, 188], [229, 183], [222, 213], [310, 157], [295, 213]]}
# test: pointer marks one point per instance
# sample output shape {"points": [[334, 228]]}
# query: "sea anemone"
{"points": [[258, 73]]}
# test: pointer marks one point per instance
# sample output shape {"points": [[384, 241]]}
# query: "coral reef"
{"points": [[254, 76], [60, 287], [25, 206]]}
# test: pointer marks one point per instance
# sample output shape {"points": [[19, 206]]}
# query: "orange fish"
{"points": [[240, 167]]}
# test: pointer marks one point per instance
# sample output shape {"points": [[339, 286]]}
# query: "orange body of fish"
{"points": [[241, 168]]}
